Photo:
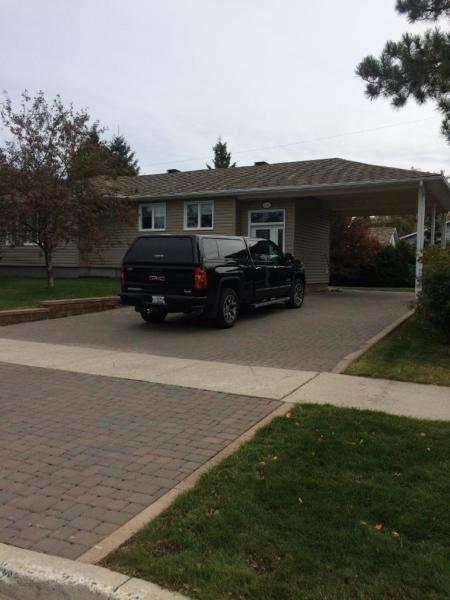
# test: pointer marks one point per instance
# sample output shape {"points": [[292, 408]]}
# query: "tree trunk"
{"points": [[49, 267]]}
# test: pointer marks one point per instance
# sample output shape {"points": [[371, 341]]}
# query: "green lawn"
{"points": [[326, 503], [20, 292], [411, 353]]}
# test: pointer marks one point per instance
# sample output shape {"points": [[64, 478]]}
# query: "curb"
{"points": [[28, 575], [343, 364]]}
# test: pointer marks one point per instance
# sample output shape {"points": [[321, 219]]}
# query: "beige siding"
{"points": [[245, 206], [312, 239], [31, 256], [111, 256], [224, 223], [306, 235]]}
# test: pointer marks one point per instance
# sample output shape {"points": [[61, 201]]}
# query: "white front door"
{"points": [[267, 224]]}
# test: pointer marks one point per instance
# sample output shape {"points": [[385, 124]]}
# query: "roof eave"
{"points": [[314, 189]]}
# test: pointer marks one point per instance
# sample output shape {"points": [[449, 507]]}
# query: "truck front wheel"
{"points": [[228, 309], [297, 294]]}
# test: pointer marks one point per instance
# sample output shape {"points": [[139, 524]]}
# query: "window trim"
{"points": [[151, 204], [261, 225], [198, 228]]}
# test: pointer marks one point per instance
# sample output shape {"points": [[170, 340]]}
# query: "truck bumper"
{"points": [[173, 303]]}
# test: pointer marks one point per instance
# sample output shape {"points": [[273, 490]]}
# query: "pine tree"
{"points": [[93, 156], [123, 157], [417, 66], [222, 158]]}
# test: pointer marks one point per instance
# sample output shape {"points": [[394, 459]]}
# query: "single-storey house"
{"points": [[385, 236], [411, 238], [291, 203]]}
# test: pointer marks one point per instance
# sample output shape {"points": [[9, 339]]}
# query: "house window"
{"points": [[199, 215], [152, 217], [25, 237]]}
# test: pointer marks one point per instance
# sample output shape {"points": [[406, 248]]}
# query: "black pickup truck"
{"points": [[209, 274]]}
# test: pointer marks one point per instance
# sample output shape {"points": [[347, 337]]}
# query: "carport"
{"points": [[423, 196], [358, 189]]}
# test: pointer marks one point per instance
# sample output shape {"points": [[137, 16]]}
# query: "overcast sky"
{"points": [[274, 78]]}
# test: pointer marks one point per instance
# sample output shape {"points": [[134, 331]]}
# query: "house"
{"points": [[385, 236], [411, 238], [291, 203]]}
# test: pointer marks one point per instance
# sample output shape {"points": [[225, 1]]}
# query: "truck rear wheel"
{"points": [[228, 309], [153, 315]]}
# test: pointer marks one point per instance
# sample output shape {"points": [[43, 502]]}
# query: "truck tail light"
{"points": [[200, 279], [122, 275]]}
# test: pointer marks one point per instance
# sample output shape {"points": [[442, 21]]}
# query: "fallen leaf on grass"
{"points": [[378, 526]]}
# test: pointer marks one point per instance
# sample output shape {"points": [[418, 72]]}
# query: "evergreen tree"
{"points": [[417, 66], [222, 158], [124, 162], [93, 157]]}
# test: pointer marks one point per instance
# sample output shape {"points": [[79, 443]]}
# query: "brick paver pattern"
{"points": [[81, 455], [327, 328]]}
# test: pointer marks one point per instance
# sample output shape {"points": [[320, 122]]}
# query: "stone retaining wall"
{"points": [[54, 309], [10, 317], [79, 306]]}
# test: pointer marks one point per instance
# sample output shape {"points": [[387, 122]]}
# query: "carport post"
{"points": [[444, 230], [433, 225], [420, 236]]}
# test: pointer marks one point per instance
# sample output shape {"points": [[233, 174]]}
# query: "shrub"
{"points": [[394, 267], [357, 259], [434, 300], [352, 251]]}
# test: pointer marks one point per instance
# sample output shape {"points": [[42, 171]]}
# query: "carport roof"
{"points": [[282, 177]]}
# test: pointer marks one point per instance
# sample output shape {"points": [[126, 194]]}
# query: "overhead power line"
{"points": [[296, 143]]}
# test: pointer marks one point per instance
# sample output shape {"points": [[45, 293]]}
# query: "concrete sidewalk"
{"points": [[394, 397], [397, 398], [261, 382]]}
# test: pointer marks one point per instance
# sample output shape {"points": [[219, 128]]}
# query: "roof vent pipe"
{"points": [[173, 170], [259, 163]]}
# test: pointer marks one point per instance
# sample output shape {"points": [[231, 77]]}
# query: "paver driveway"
{"points": [[82, 454], [327, 328]]}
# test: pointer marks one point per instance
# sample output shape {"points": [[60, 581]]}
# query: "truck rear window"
{"points": [[163, 250]]}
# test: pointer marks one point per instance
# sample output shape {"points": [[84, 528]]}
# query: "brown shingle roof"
{"points": [[288, 174]]}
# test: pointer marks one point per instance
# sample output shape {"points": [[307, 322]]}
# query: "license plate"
{"points": [[158, 299]]}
